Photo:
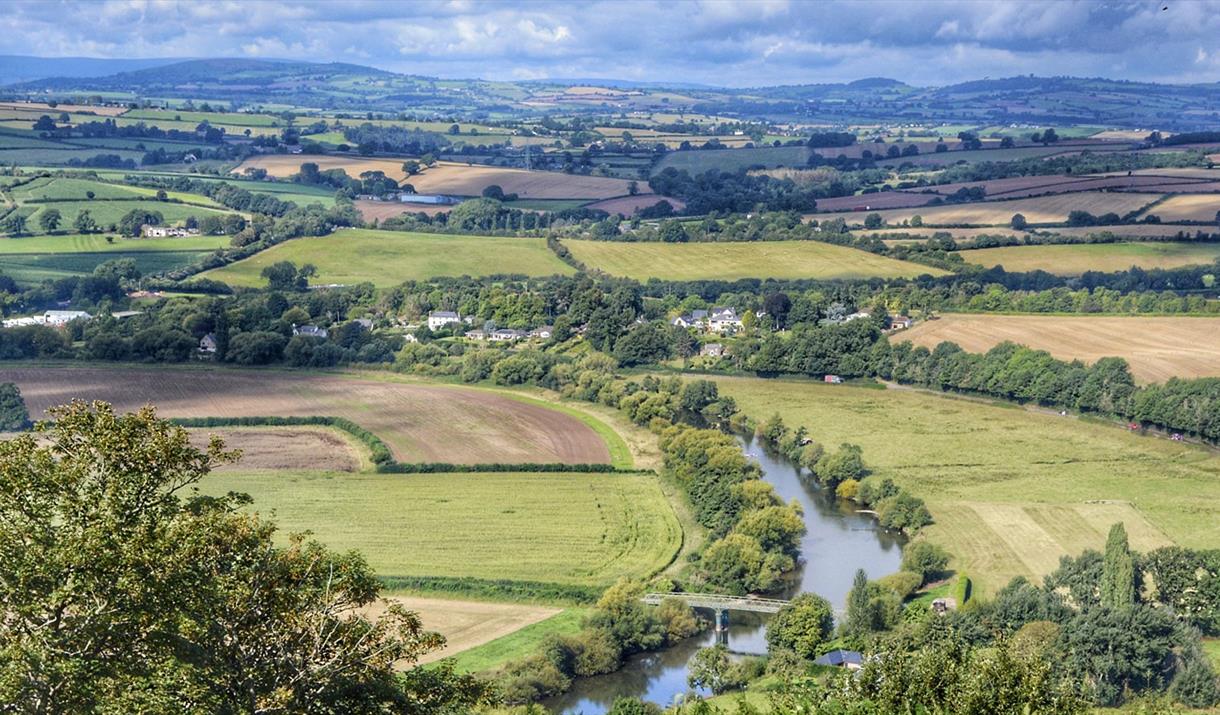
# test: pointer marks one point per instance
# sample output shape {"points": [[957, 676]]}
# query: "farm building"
{"points": [[850, 659], [54, 318], [504, 335], [900, 322], [833, 380], [309, 331], [435, 199], [438, 319], [148, 231], [712, 350], [542, 332]]}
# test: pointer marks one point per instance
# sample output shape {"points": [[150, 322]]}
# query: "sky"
{"points": [[727, 43]]}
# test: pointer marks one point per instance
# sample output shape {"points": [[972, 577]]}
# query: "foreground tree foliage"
{"points": [[126, 592]]}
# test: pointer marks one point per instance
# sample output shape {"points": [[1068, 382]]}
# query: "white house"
{"points": [[693, 319], [438, 319], [542, 332], [207, 344], [724, 320], [310, 331], [712, 350], [900, 322], [506, 335]]}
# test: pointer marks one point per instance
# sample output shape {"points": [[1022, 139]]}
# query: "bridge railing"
{"points": [[719, 601]]}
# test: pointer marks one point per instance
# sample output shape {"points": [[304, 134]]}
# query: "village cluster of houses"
{"points": [[441, 319], [719, 319]]}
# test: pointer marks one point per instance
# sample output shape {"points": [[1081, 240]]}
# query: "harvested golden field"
{"points": [[420, 423], [467, 180], [382, 210], [284, 165], [1074, 259], [1042, 209], [1157, 348], [1189, 207], [733, 260], [453, 178], [465, 624]]}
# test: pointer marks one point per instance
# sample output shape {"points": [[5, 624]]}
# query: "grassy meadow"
{"points": [[1074, 259], [1011, 489], [730, 261], [550, 527], [387, 258]]}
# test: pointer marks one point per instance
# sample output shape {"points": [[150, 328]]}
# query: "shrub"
{"points": [[902, 583], [924, 558]]}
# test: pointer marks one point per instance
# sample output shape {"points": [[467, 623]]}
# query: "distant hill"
{"points": [[1021, 100], [24, 68]]}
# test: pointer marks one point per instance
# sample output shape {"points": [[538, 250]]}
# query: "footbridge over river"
{"points": [[721, 604]]}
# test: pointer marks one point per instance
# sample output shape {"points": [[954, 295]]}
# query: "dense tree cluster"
{"points": [[732, 191]]}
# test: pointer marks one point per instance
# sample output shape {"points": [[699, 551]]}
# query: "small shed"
{"points": [[850, 659], [833, 380]]}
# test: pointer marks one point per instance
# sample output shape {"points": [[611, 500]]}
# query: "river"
{"points": [[836, 543]]}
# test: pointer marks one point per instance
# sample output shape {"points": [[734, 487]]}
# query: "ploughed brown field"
{"points": [[420, 423], [1157, 348], [628, 205], [284, 448]]}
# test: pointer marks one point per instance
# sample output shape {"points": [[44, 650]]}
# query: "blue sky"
{"points": [[732, 43]]}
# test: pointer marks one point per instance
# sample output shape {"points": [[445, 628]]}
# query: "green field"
{"points": [[697, 162], [34, 268], [387, 258], [586, 529], [1011, 490], [60, 188], [731, 261], [1074, 259], [95, 243], [106, 213], [216, 118]]}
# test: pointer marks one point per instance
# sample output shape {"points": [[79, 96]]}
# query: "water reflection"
{"points": [[837, 542]]}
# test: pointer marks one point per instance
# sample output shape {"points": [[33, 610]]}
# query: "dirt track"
{"points": [[420, 423]]}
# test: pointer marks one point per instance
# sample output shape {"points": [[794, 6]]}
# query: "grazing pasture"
{"points": [[1137, 230], [586, 529], [730, 261], [420, 423], [34, 258], [1011, 489], [388, 258], [1074, 259], [1042, 209], [1189, 207], [697, 162], [1157, 348]]}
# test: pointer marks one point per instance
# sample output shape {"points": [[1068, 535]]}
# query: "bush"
{"points": [[902, 583], [926, 559]]}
